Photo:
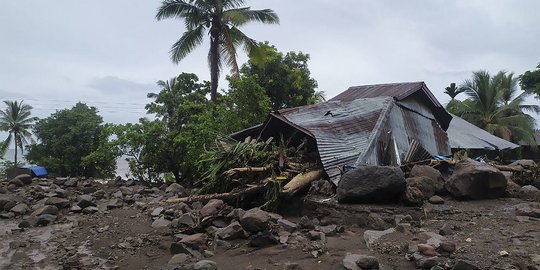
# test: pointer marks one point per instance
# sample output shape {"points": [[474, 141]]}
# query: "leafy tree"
{"points": [[495, 106], [221, 19], [16, 121], [285, 77], [530, 81], [248, 104], [74, 142]]}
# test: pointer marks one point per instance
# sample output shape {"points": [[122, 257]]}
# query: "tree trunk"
{"points": [[213, 57], [15, 151]]}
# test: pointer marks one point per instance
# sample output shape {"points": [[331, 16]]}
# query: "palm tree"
{"points": [[453, 91], [493, 106], [221, 20], [16, 120]]}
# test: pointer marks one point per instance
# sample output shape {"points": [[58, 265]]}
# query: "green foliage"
{"points": [[74, 142], [227, 154], [16, 121], [495, 105], [221, 21], [530, 81], [286, 78]]}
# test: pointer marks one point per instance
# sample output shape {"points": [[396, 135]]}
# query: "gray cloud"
{"points": [[113, 84]]}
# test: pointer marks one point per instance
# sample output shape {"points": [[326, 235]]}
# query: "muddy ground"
{"points": [[488, 234]]}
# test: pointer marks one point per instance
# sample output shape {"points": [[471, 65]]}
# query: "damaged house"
{"points": [[385, 124]]}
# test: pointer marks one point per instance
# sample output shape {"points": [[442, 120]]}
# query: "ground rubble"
{"points": [[77, 223]]}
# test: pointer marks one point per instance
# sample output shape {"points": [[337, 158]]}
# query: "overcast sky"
{"points": [[109, 54]]}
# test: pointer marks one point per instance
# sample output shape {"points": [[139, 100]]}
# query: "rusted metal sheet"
{"points": [[343, 130], [464, 135], [400, 91]]}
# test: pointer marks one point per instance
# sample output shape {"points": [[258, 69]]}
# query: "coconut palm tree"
{"points": [[453, 90], [493, 106], [220, 20], [16, 121]]}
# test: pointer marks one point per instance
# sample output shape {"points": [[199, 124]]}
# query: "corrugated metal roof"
{"points": [[464, 135], [399, 91], [343, 129]]}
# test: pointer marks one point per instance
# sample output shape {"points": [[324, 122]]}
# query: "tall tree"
{"points": [[495, 106], [74, 142], [285, 77], [16, 120], [530, 81], [221, 20]]}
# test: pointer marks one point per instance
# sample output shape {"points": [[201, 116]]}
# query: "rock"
{"points": [[113, 203], [315, 235], [3, 190], [523, 163], [529, 193], [26, 179], [176, 188], [24, 224], [402, 219], [371, 236], [86, 201], [463, 265], [428, 262], [435, 199], [45, 219], [160, 223], [512, 189], [474, 180], [178, 259], [126, 191], [535, 258], [413, 196], [367, 262], [211, 208], [46, 209], [6, 199], [157, 211], [186, 219], [20, 209], [329, 230], [528, 209], [58, 202], [445, 230], [236, 213], [71, 182], [233, 231], [255, 220], [16, 182], [263, 239], [375, 222], [195, 240], [306, 223], [425, 185], [371, 184], [205, 265], [177, 248], [287, 225], [90, 210], [359, 262], [99, 194], [322, 187], [75, 209], [427, 250], [447, 246], [436, 179]]}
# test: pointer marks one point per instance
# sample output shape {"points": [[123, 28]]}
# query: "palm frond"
{"points": [[189, 40], [241, 16]]}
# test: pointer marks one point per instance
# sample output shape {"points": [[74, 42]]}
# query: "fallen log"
{"points": [[300, 181], [229, 196], [508, 168], [247, 169]]}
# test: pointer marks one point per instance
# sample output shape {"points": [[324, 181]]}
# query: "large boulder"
{"points": [[435, 177], [475, 180], [425, 185], [255, 220], [371, 184], [24, 178], [529, 193], [211, 208]]}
